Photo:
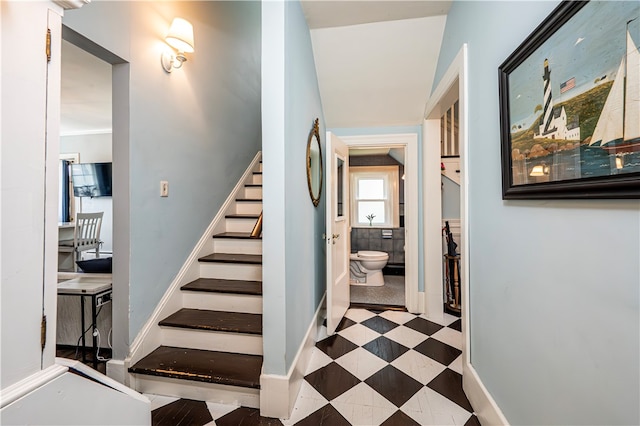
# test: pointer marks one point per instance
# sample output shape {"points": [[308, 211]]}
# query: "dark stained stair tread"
{"points": [[217, 285], [249, 200], [237, 235], [254, 185], [202, 366], [252, 259], [242, 216], [200, 319]]}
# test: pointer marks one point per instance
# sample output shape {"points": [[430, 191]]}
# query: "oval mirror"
{"points": [[314, 164]]}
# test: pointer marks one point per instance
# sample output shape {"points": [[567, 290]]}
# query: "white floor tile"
{"points": [[359, 315], [418, 366], [406, 336], [158, 401], [428, 407], [446, 320], [456, 365], [359, 334], [361, 363], [398, 316], [449, 336], [361, 405], [218, 410], [318, 360], [309, 400]]}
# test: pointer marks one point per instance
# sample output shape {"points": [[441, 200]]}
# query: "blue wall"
{"points": [[554, 285], [353, 131], [294, 258], [198, 127]]}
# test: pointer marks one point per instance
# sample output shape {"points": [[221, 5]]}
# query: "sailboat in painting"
{"points": [[618, 128]]}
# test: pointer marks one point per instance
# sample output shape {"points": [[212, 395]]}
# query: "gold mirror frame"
{"points": [[314, 160]]}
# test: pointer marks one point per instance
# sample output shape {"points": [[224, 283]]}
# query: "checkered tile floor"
{"points": [[380, 368]]}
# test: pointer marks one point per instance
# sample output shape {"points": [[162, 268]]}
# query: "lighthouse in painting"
{"points": [[554, 120]]}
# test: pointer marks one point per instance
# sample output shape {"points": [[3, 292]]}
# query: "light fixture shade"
{"points": [[537, 171], [180, 35]]}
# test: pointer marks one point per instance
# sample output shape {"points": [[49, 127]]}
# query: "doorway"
{"points": [[395, 232]]}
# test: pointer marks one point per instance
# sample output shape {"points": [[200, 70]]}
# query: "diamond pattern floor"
{"points": [[380, 368]]}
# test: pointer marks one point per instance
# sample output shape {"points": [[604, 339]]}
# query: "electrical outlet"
{"points": [[164, 188]]}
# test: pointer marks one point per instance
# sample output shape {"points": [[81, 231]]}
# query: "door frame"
{"points": [[408, 141]]}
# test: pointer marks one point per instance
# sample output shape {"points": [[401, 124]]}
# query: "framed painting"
{"points": [[570, 105]]}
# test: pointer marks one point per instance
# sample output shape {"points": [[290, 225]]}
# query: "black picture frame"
{"points": [[536, 162]]}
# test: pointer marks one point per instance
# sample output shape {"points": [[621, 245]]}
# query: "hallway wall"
{"points": [[554, 285]]}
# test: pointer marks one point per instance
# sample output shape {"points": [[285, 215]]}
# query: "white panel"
{"points": [[249, 207], [239, 225], [231, 271], [225, 302], [253, 192], [212, 341], [237, 246]]}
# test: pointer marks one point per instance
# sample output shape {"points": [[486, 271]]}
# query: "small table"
{"points": [[99, 288]]}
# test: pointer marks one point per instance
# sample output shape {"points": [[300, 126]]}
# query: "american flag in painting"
{"points": [[569, 84]]}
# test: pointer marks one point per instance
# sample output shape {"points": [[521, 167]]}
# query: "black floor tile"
{"points": [[345, 323], [423, 326], [182, 412], [326, 416], [332, 380], [473, 421], [438, 351], [335, 346], [246, 417], [385, 348], [457, 325], [379, 324], [449, 384], [400, 419], [394, 385]]}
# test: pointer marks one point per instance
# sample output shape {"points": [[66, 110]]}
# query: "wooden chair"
{"points": [[86, 236]]}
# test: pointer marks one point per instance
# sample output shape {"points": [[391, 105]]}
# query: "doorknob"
{"points": [[335, 237]]}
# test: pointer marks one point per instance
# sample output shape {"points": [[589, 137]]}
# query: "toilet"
{"points": [[366, 267]]}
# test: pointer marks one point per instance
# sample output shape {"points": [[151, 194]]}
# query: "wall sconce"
{"points": [[539, 170], [180, 37]]}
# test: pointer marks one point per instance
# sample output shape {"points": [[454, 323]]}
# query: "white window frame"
{"points": [[390, 174]]}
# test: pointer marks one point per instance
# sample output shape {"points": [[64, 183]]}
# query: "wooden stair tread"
{"points": [[237, 235], [242, 216], [249, 200], [202, 366], [217, 285], [251, 259], [200, 319], [257, 173], [254, 185]]}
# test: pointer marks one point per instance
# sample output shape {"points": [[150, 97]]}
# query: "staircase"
{"points": [[211, 348]]}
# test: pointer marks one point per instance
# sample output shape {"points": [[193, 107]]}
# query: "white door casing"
{"points": [[337, 236]]}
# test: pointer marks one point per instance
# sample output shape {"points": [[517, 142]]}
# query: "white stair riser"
{"points": [[239, 225], [256, 179], [237, 246], [260, 166], [225, 302], [249, 207], [210, 392], [212, 340], [231, 271], [253, 192]]}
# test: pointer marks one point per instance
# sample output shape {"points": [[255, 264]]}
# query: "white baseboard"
{"points": [[278, 393], [483, 403], [115, 370]]}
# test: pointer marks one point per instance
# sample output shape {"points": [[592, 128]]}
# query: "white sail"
{"points": [[609, 126], [632, 97]]}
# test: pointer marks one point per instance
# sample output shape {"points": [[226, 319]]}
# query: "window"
{"points": [[374, 200]]}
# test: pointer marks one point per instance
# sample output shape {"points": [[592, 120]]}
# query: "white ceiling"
{"points": [[375, 62]]}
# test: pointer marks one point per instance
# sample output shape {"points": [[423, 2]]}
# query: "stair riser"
{"points": [[260, 166], [237, 246], [256, 179], [212, 340], [225, 302], [239, 225], [210, 392], [231, 271], [253, 192], [248, 207]]}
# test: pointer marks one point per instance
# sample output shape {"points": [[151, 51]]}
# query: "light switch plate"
{"points": [[164, 188]]}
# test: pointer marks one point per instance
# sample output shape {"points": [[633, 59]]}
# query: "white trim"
{"points": [[150, 337], [87, 132], [278, 394], [410, 142], [481, 400], [30, 383]]}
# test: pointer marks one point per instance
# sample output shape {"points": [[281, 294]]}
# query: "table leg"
{"points": [[84, 343], [93, 332]]}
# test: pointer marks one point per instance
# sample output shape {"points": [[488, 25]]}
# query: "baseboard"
{"points": [[483, 403], [278, 393], [150, 336]]}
